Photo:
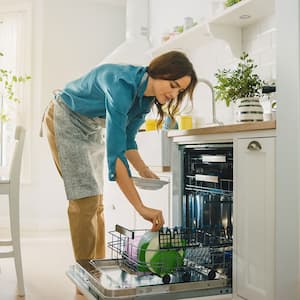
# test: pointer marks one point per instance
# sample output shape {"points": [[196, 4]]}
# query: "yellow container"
{"points": [[150, 124], [185, 122]]}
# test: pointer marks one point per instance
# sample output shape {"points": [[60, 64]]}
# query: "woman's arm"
{"points": [[126, 185], [135, 159]]}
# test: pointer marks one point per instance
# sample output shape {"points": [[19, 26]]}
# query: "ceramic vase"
{"points": [[249, 109]]}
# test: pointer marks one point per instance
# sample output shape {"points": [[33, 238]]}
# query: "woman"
{"points": [[117, 97]]}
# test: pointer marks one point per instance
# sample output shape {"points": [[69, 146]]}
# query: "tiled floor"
{"points": [[45, 260]]}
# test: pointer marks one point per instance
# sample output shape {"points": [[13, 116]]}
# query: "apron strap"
{"points": [[56, 94]]}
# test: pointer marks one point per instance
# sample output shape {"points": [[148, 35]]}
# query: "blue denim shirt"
{"points": [[116, 93]]}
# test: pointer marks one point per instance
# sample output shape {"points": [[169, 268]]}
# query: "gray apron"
{"points": [[80, 145]]}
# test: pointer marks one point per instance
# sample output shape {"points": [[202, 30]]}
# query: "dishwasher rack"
{"points": [[202, 255]]}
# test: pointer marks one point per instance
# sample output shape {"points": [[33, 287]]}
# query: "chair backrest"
{"points": [[16, 159]]}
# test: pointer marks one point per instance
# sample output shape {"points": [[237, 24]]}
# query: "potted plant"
{"points": [[241, 85], [8, 84]]}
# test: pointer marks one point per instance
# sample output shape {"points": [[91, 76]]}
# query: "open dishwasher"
{"points": [[204, 267]]}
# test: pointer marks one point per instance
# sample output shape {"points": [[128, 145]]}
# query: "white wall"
{"points": [[165, 15], [69, 38], [77, 35], [287, 261]]}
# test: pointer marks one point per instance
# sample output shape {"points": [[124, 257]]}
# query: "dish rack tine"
{"points": [[124, 231]]}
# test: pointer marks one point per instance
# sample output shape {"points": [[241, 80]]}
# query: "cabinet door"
{"points": [[117, 209], [254, 218], [155, 142]]}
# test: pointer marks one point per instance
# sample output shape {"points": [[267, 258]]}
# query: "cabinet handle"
{"points": [[254, 146]]}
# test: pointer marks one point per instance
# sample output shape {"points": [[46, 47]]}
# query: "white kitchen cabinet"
{"points": [[254, 209], [254, 202], [254, 206], [154, 147], [118, 209]]}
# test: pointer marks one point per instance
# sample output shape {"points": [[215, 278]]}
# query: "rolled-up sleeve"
{"points": [[132, 130], [118, 102]]}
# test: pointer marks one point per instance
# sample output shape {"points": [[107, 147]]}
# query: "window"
{"points": [[8, 41], [15, 45]]}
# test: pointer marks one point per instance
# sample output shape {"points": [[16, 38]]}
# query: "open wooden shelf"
{"points": [[227, 26]]}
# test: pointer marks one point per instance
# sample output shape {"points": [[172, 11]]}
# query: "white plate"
{"points": [[149, 183]]}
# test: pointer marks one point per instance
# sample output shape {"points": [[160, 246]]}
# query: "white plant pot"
{"points": [[249, 109]]}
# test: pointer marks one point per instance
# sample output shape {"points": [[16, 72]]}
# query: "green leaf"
{"points": [[9, 83], [239, 82], [4, 117]]}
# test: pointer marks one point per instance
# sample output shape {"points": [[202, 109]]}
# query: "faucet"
{"points": [[214, 119]]}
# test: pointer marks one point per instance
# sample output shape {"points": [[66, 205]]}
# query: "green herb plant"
{"points": [[229, 3], [238, 83], [8, 83]]}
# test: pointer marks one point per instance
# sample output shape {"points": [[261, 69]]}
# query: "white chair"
{"points": [[11, 186]]}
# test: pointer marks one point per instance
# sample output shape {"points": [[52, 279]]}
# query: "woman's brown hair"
{"points": [[172, 66]]}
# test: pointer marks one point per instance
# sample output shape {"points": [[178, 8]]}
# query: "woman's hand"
{"points": [[152, 215], [127, 186], [147, 173]]}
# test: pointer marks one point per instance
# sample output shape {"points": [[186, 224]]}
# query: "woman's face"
{"points": [[166, 90]]}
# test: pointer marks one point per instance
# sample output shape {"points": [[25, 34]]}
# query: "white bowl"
{"points": [[149, 183]]}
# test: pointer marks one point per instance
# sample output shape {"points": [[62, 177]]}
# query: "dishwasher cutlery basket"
{"points": [[182, 254]]}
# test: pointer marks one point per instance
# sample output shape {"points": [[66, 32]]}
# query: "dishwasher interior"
{"points": [[202, 243]]}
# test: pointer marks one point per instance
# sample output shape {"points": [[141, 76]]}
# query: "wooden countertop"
{"points": [[250, 126]]}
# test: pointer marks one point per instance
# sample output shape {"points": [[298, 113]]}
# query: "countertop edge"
{"points": [[249, 126]]}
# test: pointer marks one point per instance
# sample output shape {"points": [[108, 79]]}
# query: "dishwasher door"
{"points": [[203, 269], [107, 279]]}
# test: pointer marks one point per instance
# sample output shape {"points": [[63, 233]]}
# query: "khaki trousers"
{"points": [[86, 215]]}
